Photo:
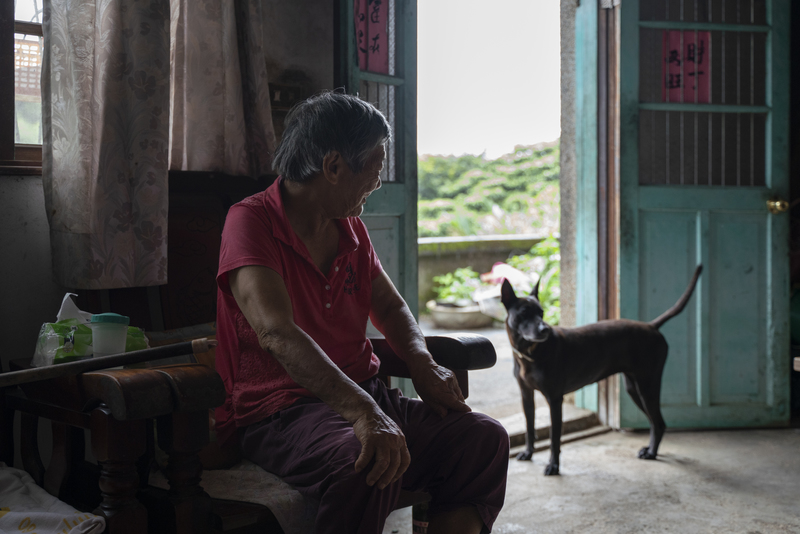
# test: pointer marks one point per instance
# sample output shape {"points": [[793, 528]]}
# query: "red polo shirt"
{"points": [[330, 307]]}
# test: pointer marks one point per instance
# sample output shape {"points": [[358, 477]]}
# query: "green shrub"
{"points": [[435, 172], [431, 209], [477, 203], [516, 202], [457, 194], [456, 286], [462, 185]]}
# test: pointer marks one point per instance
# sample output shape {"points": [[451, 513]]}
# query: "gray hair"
{"points": [[328, 122]]}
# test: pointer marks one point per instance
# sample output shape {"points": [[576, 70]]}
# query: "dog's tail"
{"points": [[678, 307]]}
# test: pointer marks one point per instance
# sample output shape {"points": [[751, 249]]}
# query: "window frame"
{"points": [[15, 159]]}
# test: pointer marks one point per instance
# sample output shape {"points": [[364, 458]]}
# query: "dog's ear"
{"points": [[535, 292], [507, 295]]}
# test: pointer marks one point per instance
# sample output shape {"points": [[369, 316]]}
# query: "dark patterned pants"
{"points": [[460, 460]]}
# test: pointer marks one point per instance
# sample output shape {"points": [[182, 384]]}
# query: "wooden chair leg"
{"points": [[68, 453], [117, 445], [181, 435], [29, 447]]}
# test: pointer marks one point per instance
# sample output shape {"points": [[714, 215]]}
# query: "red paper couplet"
{"points": [[372, 39], [687, 66]]}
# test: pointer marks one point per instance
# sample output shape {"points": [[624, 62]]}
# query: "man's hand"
{"points": [[382, 440], [438, 387]]}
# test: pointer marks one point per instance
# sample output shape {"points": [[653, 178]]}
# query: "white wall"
{"points": [[28, 295]]}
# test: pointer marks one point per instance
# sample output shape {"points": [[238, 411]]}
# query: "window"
{"points": [[20, 85]]}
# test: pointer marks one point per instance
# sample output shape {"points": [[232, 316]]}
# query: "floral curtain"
{"points": [[221, 118], [114, 123], [105, 108]]}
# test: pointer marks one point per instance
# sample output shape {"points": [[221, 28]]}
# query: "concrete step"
{"points": [[574, 420], [544, 444]]}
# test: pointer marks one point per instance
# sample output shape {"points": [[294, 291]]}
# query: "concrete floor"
{"points": [[744, 481]]}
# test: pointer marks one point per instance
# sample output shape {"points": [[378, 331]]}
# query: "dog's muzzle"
{"points": [[537, 334]]}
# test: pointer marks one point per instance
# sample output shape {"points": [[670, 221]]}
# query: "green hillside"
{"points": [[469, 195]]}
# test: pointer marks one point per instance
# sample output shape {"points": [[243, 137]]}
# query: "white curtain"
{"points": [[130, 90], [221, 118], [105, 107]]}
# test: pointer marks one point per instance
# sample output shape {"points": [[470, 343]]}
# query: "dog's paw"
{"points": [[525, 456], [645, 454], [551, 469]]}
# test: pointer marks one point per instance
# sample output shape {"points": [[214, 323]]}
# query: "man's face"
{"points": [[355, 188]]}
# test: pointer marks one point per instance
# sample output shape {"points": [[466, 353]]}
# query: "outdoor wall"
{"points": [[568, 162], [440, 255], [28, 295]]}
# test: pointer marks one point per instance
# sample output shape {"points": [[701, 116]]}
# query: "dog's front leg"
{"points": [[529, 408], [555, 434]]}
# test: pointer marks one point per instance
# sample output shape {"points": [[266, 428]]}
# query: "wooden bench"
{"points": [[119, 406]]}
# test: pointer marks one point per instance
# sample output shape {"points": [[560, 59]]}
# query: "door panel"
{"points": [[737, 276], [694, 183], [391, 87], [384, 74], [660, 289], [384, 233]]}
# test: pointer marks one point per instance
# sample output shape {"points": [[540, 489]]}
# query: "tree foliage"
{"points": [[470, 195]]}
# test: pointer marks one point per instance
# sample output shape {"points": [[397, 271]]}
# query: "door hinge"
{"points": [[609, 4]]}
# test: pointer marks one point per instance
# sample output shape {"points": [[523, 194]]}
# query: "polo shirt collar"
{"points": [[283, 231]]}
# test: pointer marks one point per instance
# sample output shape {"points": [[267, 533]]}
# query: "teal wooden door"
{"points": [[586, 143], [703, 148], [387, 30], [391, 212]]}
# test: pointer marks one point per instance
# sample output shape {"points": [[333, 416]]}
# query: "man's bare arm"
{"points": [[436, 385], [265, 303]]}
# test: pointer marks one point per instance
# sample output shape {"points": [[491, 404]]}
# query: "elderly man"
{"points": [[298, 278]]}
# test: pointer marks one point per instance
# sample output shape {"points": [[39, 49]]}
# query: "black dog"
{"points": [[557, 361]]}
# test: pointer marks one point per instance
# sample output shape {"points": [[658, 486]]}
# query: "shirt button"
{"points": [[328, 305], [327, 287], [336, 269]]}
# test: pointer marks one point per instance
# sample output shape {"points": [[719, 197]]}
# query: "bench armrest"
{"points": [[459, 352]]}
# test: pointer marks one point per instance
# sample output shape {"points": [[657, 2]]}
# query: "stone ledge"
{"points": [[433, 246], [544, 444], [574, 420]]}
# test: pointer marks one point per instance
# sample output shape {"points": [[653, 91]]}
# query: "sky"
{"points": [[488, 75], [27, 10]]}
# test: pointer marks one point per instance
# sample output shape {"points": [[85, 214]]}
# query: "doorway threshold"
{"points": [[578, 423]]}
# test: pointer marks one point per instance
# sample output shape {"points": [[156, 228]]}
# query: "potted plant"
{"points": [[454, 307]]}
